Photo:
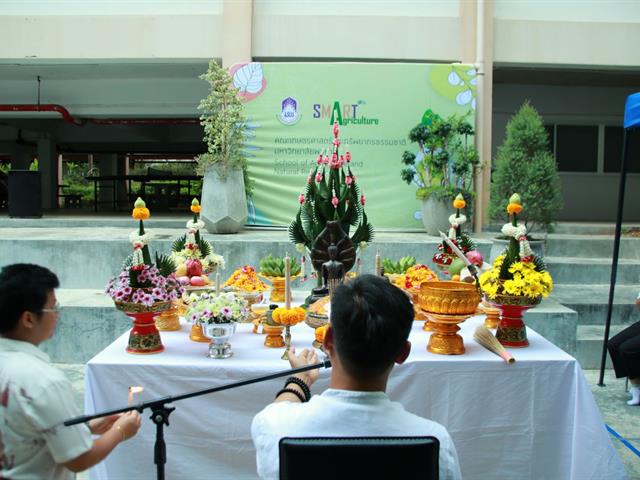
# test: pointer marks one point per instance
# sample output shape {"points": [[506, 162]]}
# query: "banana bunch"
{"points": [[271, 266], [400, 266]]}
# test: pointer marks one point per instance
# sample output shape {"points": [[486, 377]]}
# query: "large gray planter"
{"points": [[499, 245], [224, 203], [435, 215]]}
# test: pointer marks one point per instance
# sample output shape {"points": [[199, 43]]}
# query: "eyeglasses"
{"points": [[55, 309]]}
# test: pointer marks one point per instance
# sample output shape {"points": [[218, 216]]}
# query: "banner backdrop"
{"points": [[291, 107]]}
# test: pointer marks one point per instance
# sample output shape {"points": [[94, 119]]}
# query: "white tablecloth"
{"points": [[535, 419]]}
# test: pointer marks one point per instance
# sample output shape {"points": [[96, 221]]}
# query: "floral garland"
{"points": [[289, 316], [445, 256], [245, 278]]}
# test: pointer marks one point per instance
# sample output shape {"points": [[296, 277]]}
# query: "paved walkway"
{"points": [[611, 399]]}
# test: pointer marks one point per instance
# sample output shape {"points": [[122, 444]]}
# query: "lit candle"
{"points": [[303, 267], [217, 283], [287, 281], [359, 263], [378, 264]]}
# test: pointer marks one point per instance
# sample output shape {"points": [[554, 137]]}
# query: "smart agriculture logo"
{"points": [[344, 113]]}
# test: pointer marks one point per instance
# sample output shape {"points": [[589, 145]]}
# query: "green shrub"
{"points": [[524, 164], [443, 165]]}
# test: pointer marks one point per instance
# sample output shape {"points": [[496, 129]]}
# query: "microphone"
{"points": [[140, 407]]}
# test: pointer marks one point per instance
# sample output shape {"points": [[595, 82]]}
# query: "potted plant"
{"points": [[442, 167], [524, 164], [224, 165], [217, 315]]}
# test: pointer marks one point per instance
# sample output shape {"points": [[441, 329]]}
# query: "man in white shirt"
{"points": [[35, 397], [370, 324]]}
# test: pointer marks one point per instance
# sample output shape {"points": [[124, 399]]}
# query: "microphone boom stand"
{"points": [[160, 411]]}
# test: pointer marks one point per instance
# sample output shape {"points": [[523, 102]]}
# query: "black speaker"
{"points": [[25, 193]]}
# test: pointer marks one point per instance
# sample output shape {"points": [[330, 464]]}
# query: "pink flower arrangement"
{"points": [[301, 198], [148, 286], [318, 177]]}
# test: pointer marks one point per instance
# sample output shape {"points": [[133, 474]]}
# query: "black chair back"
{"points": [[371, 458]]}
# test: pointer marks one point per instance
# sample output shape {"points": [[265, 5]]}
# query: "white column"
{"points": [[237, 29]]}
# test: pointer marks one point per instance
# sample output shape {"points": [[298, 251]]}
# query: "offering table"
{"points": [[530, 420]]}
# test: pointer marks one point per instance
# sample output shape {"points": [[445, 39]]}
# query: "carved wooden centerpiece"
{"points": [[447, 304]]}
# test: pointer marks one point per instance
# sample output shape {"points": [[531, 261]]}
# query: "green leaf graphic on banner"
{"points": [[456, 82]]}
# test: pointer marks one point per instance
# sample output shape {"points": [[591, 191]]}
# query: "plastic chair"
{"points": [[351, 458]]}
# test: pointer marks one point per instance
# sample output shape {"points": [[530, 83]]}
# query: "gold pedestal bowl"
{"points": [[447, 304], [169, 320], [492, 314]]}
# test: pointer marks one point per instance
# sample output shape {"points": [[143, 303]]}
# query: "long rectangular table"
{"points": [[535, 419], [160, 185]]}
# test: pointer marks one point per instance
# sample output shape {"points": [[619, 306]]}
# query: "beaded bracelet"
{"points": [[302, 384], [291, 390]]}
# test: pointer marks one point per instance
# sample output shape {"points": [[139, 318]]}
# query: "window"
{"points": [[577, 148], [613, 150]]}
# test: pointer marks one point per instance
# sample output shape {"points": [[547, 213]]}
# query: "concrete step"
{"points": [[589, 341], [590, 246], [578, 228], [574, 294], [89, 257], [576, 270], [556, 322], [591, 302], [89, 322]]}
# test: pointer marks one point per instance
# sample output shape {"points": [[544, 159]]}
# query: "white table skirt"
{"points": [[535, 419]]}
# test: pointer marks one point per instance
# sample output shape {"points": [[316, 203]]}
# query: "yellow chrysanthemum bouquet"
{"points": [[518, 272]]}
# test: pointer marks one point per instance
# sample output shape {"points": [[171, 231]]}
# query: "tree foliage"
{"points": [[224, 125], [524, 164], [443, 165]]}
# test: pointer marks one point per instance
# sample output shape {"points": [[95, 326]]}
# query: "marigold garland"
{"points": [[321, 332], [289, 316], [245, 278], [515, 204], [414, 276], [459, 202], [195, 206]]}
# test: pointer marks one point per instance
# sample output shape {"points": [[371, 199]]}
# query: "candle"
{"points": [[287, 281], [217, 283], [359, 267], [378, 264], [133, 391], [303, 267]]}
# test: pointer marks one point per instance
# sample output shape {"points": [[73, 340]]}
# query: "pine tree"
{"points": [[331, 194], [525, 164]]}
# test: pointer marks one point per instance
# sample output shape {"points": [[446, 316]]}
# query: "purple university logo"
{"points": [[289, 114]]}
